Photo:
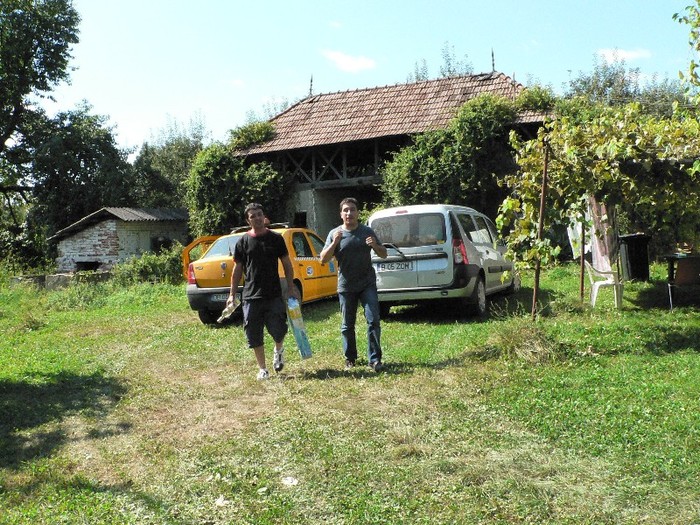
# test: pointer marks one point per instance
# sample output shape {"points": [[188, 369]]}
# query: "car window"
{"points": [[467, 225], [481, 235], [317, 243], [301, 245], [492, 229], [222, 247], [407, 231]]}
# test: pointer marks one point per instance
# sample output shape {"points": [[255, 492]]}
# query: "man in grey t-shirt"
{"points": [[352, 244]]}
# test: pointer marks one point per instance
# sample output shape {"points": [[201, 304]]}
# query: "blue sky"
{"points": [[149, 64]]}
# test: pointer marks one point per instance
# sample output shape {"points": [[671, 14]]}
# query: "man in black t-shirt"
{"points": [[255, 258]]}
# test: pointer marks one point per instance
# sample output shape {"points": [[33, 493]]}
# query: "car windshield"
{"points": [[407, 231], [222, 247]]}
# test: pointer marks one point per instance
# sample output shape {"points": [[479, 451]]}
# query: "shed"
{"points": [[112, 235]]}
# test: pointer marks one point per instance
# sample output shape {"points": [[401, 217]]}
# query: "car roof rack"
{"points": [[274, 225]]}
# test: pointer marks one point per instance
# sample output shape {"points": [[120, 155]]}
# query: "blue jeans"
{"points": [[348, 309]]}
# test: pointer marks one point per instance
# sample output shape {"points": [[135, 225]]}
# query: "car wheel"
{"points": [[515, 284], [207, 316], [384, 309], [478, 306]]}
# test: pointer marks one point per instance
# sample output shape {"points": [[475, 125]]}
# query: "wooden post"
{"points": [[583, 254], [540, 228]]}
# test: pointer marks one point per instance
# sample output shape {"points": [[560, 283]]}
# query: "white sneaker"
{"points": [[278, 360], [263, 374]]}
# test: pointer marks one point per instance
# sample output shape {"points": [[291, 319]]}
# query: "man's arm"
{"points": [[236, 275], [289, 276], [379, 249], [328, 252]]}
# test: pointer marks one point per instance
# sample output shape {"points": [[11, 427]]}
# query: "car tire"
{"points": [[208, 316], [514, 285], [478, 305], [384, 309]]}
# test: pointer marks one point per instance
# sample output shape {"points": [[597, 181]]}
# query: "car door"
{"points": [[213, 269], [484, 241], [399, 269], [316, 278], [327, 272]]}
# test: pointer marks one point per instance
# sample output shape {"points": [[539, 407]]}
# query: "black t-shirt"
{"points": [[259, 256]]}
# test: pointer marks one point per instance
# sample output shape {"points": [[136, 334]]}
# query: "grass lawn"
{"points": [[118, 406]]}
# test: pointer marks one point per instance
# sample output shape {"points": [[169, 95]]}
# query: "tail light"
{"points": [[459, 252], [191, 279]]}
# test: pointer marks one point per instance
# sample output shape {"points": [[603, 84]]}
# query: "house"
{"points": [[112, 235], [333, 145]]}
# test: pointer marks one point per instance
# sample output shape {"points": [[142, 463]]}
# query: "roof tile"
{"points": [[402, 109]]}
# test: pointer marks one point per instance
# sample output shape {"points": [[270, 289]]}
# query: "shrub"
{"points": [[162, 267]]}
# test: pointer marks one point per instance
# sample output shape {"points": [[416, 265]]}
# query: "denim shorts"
{"points": [[264, 313]]}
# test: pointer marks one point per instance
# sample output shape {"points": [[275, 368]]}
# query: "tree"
{"points": [[451, 66], [35, 44], [614, 84], [77, 168], [221, 182], [163, 167]]}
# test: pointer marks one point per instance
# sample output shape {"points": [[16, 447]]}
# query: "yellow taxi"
{"points": [[209, 277]]}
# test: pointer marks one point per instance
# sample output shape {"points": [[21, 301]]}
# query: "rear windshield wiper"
{"points": [[390, 245]]}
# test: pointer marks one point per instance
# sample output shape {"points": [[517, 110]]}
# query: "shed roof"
{"points": [[401, 109], [125, 214]]}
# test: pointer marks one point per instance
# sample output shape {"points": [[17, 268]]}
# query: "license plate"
{"points": [[397, 266], [222, 297]]}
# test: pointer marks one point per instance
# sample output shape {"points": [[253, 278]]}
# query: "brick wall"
{"points": [[102, 245]]}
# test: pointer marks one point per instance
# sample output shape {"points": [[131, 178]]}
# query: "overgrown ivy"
{"points": [[457, 165], [220, 184]]}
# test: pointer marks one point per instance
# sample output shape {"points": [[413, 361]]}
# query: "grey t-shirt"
{"points": [[355, 270]]}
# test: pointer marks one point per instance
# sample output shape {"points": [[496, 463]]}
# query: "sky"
{"points": [[153, 65]]}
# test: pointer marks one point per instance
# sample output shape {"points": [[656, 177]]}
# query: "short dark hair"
{"points": [[251, 207], [349, 200]]}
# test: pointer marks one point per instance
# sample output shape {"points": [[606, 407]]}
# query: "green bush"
{"points": [[162, 267]]}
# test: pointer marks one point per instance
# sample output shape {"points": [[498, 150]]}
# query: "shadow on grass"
{"points": [[441, 312], [43, 399], [320, 311], [655, 295], [361, 371]]}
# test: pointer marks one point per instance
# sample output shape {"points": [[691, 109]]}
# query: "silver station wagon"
{"points": [[440, 251]]}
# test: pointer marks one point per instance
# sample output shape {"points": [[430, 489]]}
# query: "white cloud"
{"points": [[617, 55], [237, 82], [334, 24], [349, 63]]}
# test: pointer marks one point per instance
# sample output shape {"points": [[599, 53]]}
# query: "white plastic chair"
{"points": [[600, 279]]}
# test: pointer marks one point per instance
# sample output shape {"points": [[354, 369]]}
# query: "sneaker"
{"points": [[278, 360], [263, 374], [349, 365], [376, 366]]}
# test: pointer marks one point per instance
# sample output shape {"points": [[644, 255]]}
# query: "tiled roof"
{"points": [[401, 109], [125, 214]]}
